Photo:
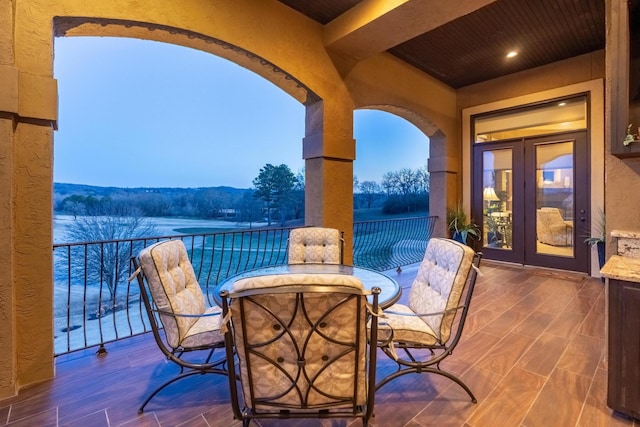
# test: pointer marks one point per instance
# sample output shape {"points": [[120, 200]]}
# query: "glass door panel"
{"points": [[497, 198], [555, 199]]}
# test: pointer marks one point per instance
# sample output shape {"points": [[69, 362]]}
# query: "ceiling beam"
{"points": [[374, 26]]}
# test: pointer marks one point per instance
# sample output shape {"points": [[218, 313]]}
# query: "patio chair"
{"points": [[301, 347], [315, 245], [552, 229], [418, 336], [171, 294]]}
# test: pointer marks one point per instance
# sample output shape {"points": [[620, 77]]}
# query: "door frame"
{"points": [[580, 261], [500, 100], [524, 201], [516, 253]]}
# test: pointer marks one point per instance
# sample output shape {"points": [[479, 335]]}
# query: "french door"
{"points": [[531, 198]]}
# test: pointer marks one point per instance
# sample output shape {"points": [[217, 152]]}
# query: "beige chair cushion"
{"points": [[314, 245], [175, 289], [552, 229], [325, 366], [437, 288]]}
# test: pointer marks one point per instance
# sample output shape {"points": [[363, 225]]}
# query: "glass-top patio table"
{"points": [[390, 290]]}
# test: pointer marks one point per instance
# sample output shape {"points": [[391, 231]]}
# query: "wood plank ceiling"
{"points": [[472, 48]]}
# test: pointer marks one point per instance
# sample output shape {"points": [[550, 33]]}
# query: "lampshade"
{"points": [[489, 194]]}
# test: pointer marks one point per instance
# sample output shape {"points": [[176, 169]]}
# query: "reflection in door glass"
{"points": [[554, 199], [497, 184]]}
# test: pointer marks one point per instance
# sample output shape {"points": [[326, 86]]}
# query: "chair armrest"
{"points": [[435, 313], [172, 314]]}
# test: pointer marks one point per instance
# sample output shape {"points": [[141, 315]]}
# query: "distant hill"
{"points": [[65, 190], [201, 202]]}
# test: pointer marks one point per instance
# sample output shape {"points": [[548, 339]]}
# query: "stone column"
{"points": [[329, 151]]}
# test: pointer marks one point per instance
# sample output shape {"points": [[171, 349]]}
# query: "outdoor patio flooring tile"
{"points": [[533, 353]]}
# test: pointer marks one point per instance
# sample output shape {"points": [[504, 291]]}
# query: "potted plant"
{"points": [[494, 236], [597, 238], [460, 228]]}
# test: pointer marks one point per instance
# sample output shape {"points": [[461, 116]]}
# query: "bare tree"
{"points": [[370, 190], [105, 259], [406, 189]]}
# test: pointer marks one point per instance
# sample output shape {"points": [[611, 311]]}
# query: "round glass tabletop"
{"points": [[390, 290]]}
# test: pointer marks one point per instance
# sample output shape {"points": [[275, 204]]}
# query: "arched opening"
{"points": [[390, 170]]}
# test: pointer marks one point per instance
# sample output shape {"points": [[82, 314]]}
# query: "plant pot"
{"points": [[495, 239], [600, 246], [458, 237]]}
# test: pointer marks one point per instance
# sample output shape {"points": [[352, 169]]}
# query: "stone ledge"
{"points": [[627, 243], [622, 268]]}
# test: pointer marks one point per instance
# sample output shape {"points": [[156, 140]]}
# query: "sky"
{"points": [[138, 113]]}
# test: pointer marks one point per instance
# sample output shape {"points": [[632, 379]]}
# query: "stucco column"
{"points": [[8, 109], [443, 190], [28, 113], [329, 151]]}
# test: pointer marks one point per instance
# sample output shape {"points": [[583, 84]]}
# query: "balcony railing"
{"points": [[94, 304]]}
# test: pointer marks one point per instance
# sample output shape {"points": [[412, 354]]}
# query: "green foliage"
{"points": [[600, 232], [205, 202], [275, 186], [457, 223]]}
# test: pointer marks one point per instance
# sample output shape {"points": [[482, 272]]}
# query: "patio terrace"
{"points": [[533, 352]]}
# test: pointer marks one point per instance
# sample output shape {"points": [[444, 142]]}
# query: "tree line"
{"points": [[277, 196], [111, 214]]}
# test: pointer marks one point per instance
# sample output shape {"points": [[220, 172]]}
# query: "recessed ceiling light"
{"points": [[512, 54], [562, 104]]}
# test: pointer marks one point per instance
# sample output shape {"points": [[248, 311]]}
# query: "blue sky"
{"points": [[135, 113]]}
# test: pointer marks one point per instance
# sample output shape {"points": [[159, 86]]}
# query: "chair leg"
{"points": [[454, 379], [171, 381], [401, 372]]}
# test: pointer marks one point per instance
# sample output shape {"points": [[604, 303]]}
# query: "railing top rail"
{"points": [[234, 231], [173, 236]]}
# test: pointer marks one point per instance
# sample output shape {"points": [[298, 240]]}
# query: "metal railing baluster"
{"points": [[379, 245]]}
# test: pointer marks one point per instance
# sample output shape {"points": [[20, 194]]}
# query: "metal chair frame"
{"points": [[348, 408], [421, 358], [187, 367]]}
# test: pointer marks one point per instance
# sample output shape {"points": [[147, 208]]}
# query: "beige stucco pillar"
{"points": [[28, 110], [329, 151], [8, 109], [444, 187]]}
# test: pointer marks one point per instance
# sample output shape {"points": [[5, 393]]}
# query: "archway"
{"points": [[391, 158]]}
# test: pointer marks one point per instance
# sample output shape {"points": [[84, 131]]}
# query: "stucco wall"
{"points": [[263, 36], [430, 106]]}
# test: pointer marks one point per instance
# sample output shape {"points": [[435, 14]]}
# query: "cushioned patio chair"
{"points": [[301, 347], [315, 245], [419, 335], [186, 331], [552, 229]]}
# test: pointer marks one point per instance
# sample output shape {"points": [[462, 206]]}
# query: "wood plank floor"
{"points": [[532, 352]]}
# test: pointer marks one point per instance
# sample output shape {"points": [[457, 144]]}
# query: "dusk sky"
{"points": [[135, 113]]}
